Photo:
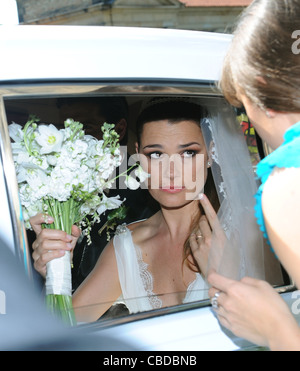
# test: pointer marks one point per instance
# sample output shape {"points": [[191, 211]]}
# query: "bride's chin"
{"points": [[171, 202]]}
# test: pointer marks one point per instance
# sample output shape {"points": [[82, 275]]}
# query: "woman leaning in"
{"points": [[262, 72]]}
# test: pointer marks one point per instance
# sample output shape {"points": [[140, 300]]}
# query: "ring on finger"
{"points": [[214, 300], [199, 236]]}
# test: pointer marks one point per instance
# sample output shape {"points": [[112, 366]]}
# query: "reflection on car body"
{"points": [[110, 62]]}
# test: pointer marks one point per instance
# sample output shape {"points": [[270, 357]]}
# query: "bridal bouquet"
{"points": [[64, 173]]}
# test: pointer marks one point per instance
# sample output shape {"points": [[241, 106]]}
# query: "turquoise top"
{"points": [[287, 155]]}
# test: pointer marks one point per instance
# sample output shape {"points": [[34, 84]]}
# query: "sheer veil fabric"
{"points": [[237, 248]]}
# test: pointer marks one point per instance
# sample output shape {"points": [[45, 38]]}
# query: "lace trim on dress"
{"points": [[147, 280]]}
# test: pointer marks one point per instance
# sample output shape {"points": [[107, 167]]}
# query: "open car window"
{"points": [[54, 104]]}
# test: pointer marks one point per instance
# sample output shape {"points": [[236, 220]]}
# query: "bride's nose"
{"points": [[172, 169]]}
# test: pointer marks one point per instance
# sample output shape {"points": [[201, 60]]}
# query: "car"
{"points": [[41, 65]]}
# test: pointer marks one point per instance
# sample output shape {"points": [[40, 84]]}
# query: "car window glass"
{"points": [[56, 109]]}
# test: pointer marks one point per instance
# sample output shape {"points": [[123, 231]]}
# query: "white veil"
{"points": [[242, 252]]}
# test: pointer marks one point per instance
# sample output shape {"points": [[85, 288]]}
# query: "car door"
{"points": [[107, 63]]}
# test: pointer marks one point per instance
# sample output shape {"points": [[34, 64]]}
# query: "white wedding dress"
{"points": [[137, 282]]}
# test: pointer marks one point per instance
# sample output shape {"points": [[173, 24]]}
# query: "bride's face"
{"points": [[175, 156]]}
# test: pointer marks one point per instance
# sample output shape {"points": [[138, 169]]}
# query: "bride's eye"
{"points": [[155, 155], [188, 154]]}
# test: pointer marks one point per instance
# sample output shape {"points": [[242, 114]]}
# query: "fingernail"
{"points": [[69, 238], [69, 246], [48, 219]]}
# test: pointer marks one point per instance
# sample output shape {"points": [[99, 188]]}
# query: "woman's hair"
{"points": [[176, 110], [260, 62], [172, 109]]}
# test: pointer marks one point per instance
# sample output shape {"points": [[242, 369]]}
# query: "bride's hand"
{"points": [[50, 243], [200, 241]]}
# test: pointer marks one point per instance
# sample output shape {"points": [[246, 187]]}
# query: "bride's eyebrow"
{"points": [[189, 145], [182, 146], [153, 146]]}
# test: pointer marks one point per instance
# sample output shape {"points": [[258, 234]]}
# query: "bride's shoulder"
{"points": [[136, 225], [142, 230]]}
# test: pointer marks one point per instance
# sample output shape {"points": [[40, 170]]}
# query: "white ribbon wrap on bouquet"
{"points": [[58, 278]]}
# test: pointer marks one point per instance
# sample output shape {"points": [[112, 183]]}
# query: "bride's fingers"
{"points": [[193, 242], [200, 243], [200, 252], [76, 232], [197, 245], [37, 221], [204, 227], [209, 210], [211, 214]]}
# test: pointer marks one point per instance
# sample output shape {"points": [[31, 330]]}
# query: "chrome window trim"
{"points": [[106, 323], [20, 245], [159, 87]]}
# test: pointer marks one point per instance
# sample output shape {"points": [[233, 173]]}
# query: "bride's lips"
{"points": [[172, 189]]}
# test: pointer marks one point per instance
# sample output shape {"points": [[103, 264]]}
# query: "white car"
{"points": [[43, 64]]}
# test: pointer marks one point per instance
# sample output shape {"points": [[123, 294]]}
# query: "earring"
{"points": [[208, 164], [268, 114]]}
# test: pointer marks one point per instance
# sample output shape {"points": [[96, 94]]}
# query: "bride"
{"points": [[163, 260]]}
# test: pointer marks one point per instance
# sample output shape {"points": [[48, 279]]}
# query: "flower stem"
{"points": [[61, 305], [64, 214], [124, 173], [27, 141]]}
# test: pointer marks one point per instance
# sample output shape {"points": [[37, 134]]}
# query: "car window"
{"points": [[54, 107]]}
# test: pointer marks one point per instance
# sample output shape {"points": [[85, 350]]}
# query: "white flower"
{"points": [[56, 165], [15, 132], [91, 204], [52, 160], [49, 138], [131, 183], [109, 203], [141, 174], [28, 171]]}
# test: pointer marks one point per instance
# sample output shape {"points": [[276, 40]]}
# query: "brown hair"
{"points": [[260, 62]]}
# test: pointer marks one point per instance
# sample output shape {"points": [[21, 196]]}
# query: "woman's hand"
{"points": [[200, 241], [50, 243], [252, 309]]}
